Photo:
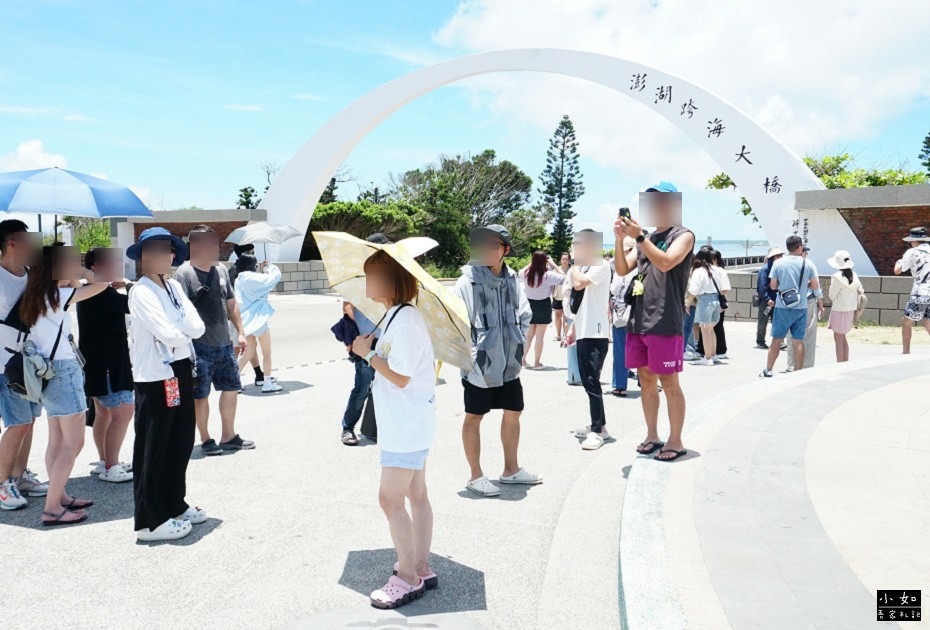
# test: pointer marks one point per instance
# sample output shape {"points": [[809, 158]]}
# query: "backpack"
{"points": [[15, 368]]}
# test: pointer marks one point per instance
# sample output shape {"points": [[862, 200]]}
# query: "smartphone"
{"points": [[624, 213]]}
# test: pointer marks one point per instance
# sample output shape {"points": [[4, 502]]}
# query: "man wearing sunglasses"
{"points": [[207, 285]]}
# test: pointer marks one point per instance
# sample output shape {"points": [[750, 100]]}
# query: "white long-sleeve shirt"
{"points": [[162, 326]]}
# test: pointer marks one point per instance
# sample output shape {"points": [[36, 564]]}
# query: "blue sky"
{"points": [[183, 99]]}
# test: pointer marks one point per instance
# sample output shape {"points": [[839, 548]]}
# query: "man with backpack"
{"points": [[18, 482]]}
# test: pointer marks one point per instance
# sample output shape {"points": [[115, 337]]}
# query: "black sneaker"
{"points": [[762, 346], [783, 347], [349, 438], [210, 447]]}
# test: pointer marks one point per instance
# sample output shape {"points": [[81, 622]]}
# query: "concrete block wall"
{"points": [[302, 277], [887, 297]]}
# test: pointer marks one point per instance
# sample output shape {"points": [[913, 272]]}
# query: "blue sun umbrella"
{"points": [[57, 191]]}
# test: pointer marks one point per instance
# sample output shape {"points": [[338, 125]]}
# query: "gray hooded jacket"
{"points": [[500, 318]]}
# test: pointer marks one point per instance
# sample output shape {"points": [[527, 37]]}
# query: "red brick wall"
{"points": [[880, 231]]}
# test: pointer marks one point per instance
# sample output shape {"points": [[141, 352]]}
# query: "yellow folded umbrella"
{"points": [[445, 314]]}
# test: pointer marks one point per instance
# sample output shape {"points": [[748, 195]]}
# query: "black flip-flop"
{"points": [[652, 448], [619, 393], [237, 444], [670, 459], [71, 506], [56, 519]]}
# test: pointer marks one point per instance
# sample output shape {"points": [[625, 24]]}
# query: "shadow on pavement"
{"points": [[203, 529], [112, 502], [289, 386], [461, 588], [691, 454], [509, 492]]}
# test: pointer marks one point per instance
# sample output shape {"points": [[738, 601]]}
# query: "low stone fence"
{"points": [[887, 297], [302, 277]]}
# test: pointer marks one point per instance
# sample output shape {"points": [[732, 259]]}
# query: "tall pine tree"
{"points": [[561, 183], [925, 153]]}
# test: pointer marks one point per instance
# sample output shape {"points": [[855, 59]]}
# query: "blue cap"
{"points": [[134, 251], [662, 187]]}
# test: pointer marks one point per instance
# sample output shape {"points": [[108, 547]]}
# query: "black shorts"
{"points": [[556, 304], [481, 400]]}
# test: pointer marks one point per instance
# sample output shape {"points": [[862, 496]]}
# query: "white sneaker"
{"points": [[583, 431], [30, 486], [115, 474], [703, 362], [10, 498], [594, 441], [172, 529], [723, 356], [271, 385], [193, 515], [690, 356]]}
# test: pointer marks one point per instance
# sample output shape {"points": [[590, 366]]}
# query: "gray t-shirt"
{"points": [[209, 291]]}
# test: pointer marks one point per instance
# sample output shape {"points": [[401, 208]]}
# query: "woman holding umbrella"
{"points": [[404, 395]]}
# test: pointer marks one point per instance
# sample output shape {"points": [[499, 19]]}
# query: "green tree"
{"points": [[248, 198], [561, 182], [359, 218], [458, 193], [88, 233], [836, 171], [374, 195], [925, 153], [329, 193]]}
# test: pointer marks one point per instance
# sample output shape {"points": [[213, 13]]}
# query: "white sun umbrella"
{"points": [[262, 232]]}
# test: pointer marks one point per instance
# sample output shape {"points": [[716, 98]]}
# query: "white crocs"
{"points": [[115, 474], [193, 515], [523, 477], [172, 529], [483, 487]]}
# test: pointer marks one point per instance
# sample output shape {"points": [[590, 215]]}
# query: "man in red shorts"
{"points": [[654, 342]]}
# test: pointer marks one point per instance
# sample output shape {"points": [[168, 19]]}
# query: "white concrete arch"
{"points": [[297, 188]]}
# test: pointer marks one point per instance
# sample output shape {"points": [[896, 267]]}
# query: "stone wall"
{"points": [[303, 277], [887, 297]]}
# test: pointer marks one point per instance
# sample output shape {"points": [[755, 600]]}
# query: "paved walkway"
{"points": [[806, 494], [296, 537]]}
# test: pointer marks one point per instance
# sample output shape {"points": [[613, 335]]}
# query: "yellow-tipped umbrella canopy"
{"points": [[444, 312]]}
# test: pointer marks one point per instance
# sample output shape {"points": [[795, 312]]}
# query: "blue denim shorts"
{"points": [[218, 366], [115, 399], [708, 309], [411, 461], [789, 319], [64, 395], [15, 409]]}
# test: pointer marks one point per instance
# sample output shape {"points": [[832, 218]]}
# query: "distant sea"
{"points": [[733, 248]]}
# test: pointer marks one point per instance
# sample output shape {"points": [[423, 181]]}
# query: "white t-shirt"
{"points": [[701, 282], [406, 416], [45, 331], [11, 288], [591, 320], [917, 261]]}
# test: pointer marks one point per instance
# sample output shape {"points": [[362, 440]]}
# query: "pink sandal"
{"points": [[430, 579], [396, 593]]}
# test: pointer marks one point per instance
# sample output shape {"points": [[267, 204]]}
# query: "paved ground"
{"points": [[296, 538]]}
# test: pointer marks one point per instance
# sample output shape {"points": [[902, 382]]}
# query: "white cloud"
{"points": [[308, 97], [76, 118], [30, 155], [813, 74], [152, 201], [245, 108]]}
